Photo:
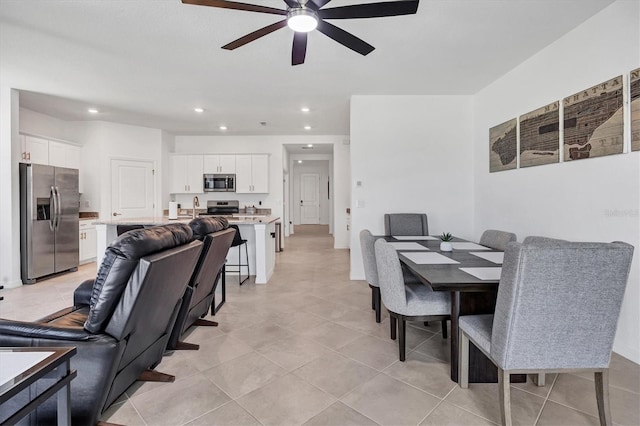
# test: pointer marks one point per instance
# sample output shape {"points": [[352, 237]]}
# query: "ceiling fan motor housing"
{"points": [[302, 19]]}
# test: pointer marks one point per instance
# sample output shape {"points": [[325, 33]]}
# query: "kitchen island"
{"points": [[259, 231]]}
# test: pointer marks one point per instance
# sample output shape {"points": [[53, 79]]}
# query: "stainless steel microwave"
{"points": [[219, 183]]}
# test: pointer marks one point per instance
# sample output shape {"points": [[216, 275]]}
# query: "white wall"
{"points": [[104, 141], [411, 154], [39, 124], [341, 187], [594, 199]]}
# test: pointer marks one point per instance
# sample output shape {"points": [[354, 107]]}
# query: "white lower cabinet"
{"points": [[88, 241]]}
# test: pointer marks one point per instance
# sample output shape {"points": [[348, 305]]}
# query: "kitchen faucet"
{"points": [[196, 203]]}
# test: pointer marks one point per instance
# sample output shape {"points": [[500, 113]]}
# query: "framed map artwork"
{"points": [[503, 146], [540, 136], [594, 121], [634, 81]]}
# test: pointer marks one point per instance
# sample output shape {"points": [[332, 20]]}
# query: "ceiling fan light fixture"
{"points": [[302, 20]]}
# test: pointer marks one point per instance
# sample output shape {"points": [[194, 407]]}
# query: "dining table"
{"points": [[470, 272]]}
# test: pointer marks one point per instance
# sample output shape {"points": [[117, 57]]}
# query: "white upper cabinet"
{"points": [[34, 150], [64, 155], [219, 164], [185, 174], [53, 153], [252, 173]]}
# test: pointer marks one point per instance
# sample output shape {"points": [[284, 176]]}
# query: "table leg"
{"points": [[64, 397], [455, 314]]}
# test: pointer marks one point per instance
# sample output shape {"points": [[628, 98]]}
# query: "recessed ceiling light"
{"points": [[299, 161], [223, 127], [307, 127], [309, 145], [93, 110], [305, 109], [198, 109]]}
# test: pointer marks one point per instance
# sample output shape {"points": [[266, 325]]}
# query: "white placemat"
{"points": [[491, 256], [468, 246], [14, 363], [408, 246], [489, 273], [414, 237], [428, 258]]}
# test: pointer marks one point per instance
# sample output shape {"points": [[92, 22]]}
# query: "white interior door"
{"points": [[309, 199], [132, 188]]}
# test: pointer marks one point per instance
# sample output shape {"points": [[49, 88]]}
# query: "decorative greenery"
{"points": [[446, 236]]}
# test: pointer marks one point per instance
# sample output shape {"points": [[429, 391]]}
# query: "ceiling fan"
{"points": [[304, 16]]}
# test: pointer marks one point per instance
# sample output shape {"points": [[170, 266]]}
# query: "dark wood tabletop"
{"points": [[449, 277]]}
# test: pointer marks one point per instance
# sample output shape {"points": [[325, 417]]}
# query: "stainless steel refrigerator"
{"points": [[49, 221]]}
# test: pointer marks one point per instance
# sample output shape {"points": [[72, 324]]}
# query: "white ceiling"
{"points": [[150, 62]]}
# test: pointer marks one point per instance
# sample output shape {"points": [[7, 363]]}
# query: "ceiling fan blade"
{"points": [[255, 35], [317, 3], [344, 38], [371, 10], [299, 50], [292, 3], [236, 5]]}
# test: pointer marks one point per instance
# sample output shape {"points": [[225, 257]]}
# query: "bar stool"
{"points": [[237, 242]]}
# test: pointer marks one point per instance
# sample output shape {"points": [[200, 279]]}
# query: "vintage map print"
{"points": [[594, 121], [503, 146], [540, 136], [635, 109]]}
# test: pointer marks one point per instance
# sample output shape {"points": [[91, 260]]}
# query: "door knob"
{"points": [[117, 214]]}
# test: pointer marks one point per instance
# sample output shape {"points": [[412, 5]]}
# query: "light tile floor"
{"points": [[305, 349]]}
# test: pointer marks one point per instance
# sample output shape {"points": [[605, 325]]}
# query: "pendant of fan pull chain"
{"points": [[304, 16]]}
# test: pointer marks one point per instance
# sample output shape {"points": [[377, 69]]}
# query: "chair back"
{"points": [[390, 278], [216, 237], [405, 224], [558, 304], [497, 239], [146, 308], [367, 241]]}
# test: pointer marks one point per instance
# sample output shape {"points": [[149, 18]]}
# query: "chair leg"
{"points": [[463, 360], [505, 397], [392, 323], [444, 329], [373, 297], [402, 332], [602, 396], [378, 303]]}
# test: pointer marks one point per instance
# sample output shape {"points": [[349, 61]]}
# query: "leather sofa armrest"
{"points": [[30, 330], [82, 294]]}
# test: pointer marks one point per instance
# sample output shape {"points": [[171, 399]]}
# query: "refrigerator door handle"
{"points": [[53, 210], [58, 208]]}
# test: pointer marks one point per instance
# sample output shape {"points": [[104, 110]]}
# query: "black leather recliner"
{"points": [[121, 326], [216, 237]]}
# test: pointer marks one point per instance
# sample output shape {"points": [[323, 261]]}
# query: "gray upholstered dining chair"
{"points": [[406, 303], [551, 294], [497, 239], [405, 224], [367, 241]]}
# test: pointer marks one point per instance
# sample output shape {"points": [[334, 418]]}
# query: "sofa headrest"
{"points": [[202, 226], [119, 261], [138, 243]]}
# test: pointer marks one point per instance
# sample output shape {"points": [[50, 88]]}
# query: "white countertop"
{"points": [[163, 220]]}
